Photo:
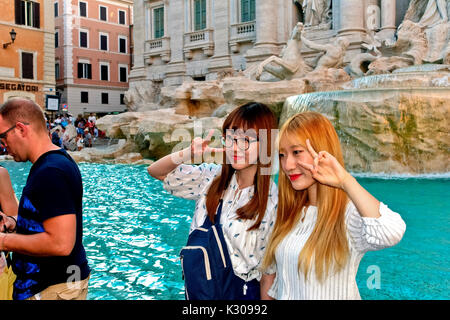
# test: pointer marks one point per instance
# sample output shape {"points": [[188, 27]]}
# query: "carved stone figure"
{"points": [[433, 16], [409, 49], [315, 11], [333, 53], [290, 64]]}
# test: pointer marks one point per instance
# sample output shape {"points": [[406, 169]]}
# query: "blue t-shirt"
{"points": [[53, 188]]}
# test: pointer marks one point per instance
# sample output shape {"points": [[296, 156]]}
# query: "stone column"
{"points": [[176, 68], [266, 31], [351, 17], [137, 73], [221, 18], [388, 27]]}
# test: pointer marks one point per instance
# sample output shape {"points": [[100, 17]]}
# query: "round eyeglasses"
{"points": [[242, 143]]}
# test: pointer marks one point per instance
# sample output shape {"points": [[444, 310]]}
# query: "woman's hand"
{"points": [[200, 146], [326, 169]]}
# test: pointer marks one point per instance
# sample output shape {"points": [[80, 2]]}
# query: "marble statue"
{"points": [[333, 53], [315, 11], [433, 16], [290, 64]]}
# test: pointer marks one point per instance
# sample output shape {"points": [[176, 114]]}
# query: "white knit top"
{"points": [[246, 248], [363, 234]]}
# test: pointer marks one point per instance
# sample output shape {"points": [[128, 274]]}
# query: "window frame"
{"points": [[107, 97], [27, 13], [56, 38], [85, 8], [57, 70], [100, 13], [124, 17], [100, 70], [194, 24], [121, 37], [119, 67], [153, 27], [100, 34], [241, 18], [85, 71], [81, 96], [33, 64], [87, 38], [56, 9]]}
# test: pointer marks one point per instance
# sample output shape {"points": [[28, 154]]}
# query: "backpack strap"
{"points": [[207, 223]]}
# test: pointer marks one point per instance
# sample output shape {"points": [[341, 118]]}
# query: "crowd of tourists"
{"points": [[74, 133]]}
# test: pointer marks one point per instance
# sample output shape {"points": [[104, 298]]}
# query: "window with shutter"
{"points": [[27, 13], [121, 17], [103, 15], [199, 14], [123, 74], [158, 25], [36, 15], [122, 45], [27, 65], [57, 75], [83, 11], [83, 39], [247, 10], [103, 42], [84, 70], [104, 72]]}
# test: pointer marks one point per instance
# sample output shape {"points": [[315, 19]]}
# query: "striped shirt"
{"points": [[363, 234]]}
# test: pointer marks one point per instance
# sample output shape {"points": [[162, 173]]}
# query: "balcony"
{"points": [[242, 32], [203, 40], [157, 47]]}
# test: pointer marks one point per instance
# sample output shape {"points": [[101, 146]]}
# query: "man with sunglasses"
{"points": [[48, 255]]}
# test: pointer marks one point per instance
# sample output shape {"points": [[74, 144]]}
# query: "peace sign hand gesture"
{"points": [[201, 146], [326, 169]]}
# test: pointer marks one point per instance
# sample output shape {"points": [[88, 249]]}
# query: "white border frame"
{"points": [[100, 64], [118, 17], [99, 13], [118, 43], [79, 38], [100, 34], [87, 12], [34, 53], [120, 65]]}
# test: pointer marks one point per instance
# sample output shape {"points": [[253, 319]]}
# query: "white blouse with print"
{"points": [[246, 248], [363, 234]]}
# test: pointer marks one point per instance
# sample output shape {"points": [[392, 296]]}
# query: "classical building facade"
{"points": [[27, 64], [93, 54], [179, 40]]}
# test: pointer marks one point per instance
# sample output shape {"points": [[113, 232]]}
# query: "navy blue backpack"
{"points": [[207, 269]]}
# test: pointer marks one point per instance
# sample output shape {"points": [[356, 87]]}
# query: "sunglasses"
{"points": [[4, 134]]}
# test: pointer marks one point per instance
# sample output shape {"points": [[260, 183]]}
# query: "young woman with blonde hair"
{"points": [[326, 220], [243, 189]]}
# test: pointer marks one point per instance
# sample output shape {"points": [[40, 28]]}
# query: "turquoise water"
{"points": [[134, 230]]}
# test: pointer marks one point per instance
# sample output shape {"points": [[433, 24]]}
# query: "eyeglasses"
{"points": [[4, 134], [242, 143]]}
